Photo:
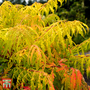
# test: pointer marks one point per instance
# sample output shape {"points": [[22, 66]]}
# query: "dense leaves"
{"points": [[39, 52]]}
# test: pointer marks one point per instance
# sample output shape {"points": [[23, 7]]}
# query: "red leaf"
{"points": [[26, 88], [51, 65], [89, 88]]}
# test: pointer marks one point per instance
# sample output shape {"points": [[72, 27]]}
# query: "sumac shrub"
{"points": [[36, 53]]}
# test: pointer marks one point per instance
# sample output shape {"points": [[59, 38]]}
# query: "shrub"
{"points": [[39, 54]]}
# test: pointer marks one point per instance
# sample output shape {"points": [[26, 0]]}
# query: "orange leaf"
{"points": [[52, 74], [1, 82], [59, 69], [1, 88], [79, 77], [51, 65], [73, 79]]}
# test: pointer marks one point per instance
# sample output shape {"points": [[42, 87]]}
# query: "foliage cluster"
{"points": [[39, 54], [74, 10]]}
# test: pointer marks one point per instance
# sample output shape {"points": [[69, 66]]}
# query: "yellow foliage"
{"points": [[32, 43]]}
